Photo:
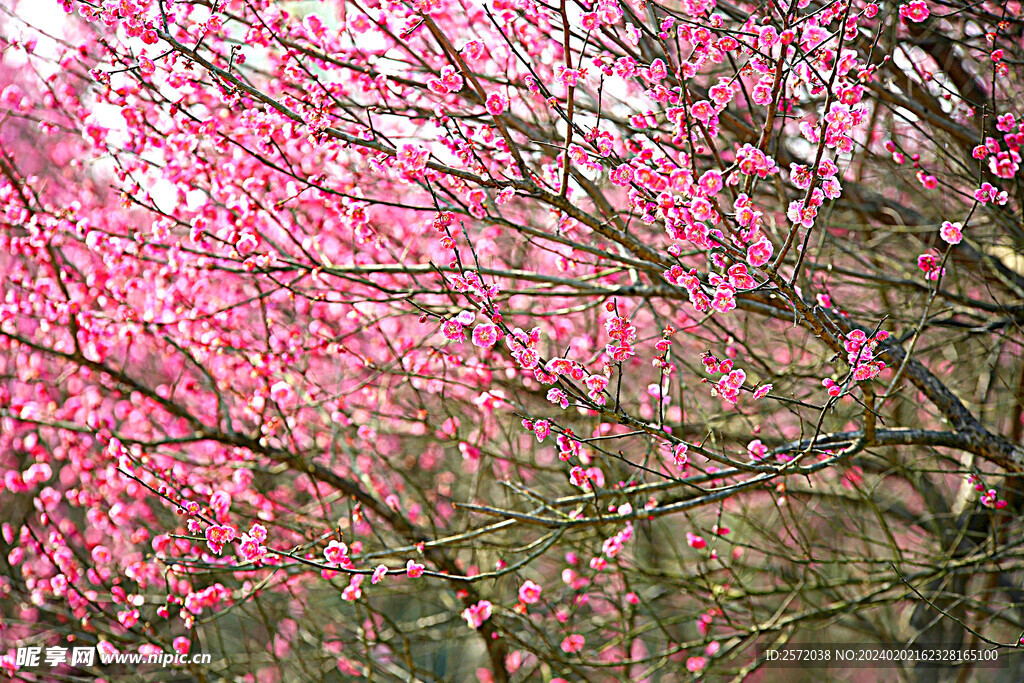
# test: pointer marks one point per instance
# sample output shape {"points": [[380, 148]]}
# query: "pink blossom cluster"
{"points": [[623, 332], [476, 615], [861, 354]]}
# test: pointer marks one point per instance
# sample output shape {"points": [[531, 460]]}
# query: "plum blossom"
{"points": [[336, 552], [951, 232], [568, 447], [989, 193], [1005, 164], [496, 103], [218, 535], [679, 455], [529, 592], [573, 643], [760, 252], [558, 397], [728, 387], [929, 263], [541, 429], [757, 450], [614, 545], [449, 81], [622, 175], [412, 159], [710, 182], [250, 549], [486, 335], [916, 11], [353, 591], [596, 384], [453, 330], [282, 393], [476, 615], [578, 477]]}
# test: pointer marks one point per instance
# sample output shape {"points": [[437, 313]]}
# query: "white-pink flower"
{"points": [[541, 429], [476, 615], [759, 252], [335, 552], [951, 232], [529, 592], [282, 392], [916, 11], [353, 590], [486, 335]]}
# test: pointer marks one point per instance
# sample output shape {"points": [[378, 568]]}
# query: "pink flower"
{"points": [[497, 103], [558, 397], [762, 93], [578, 476], [740, 278], [568, 77], [573, 643], [247, 243], [695, 664], [916, 11], [989, 193], [929, 263], [710, 182], [657, 71], [529, 592], [282, 393], [541, 428], [595, 385], [951, 232], [250, 548], [622, 175], [378, 574], [413, 569], [220, 503], [453, 330], [762, 391], [486, 335], [182, 645], [679, 455], [694, 541], [451, 79], [217, 536], [335, 552], [759, 252], [101, 554], [353, 590], [477, 614], [725, 298], [412, 159], [1005, 164], [757, 450], [128, 618]]}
